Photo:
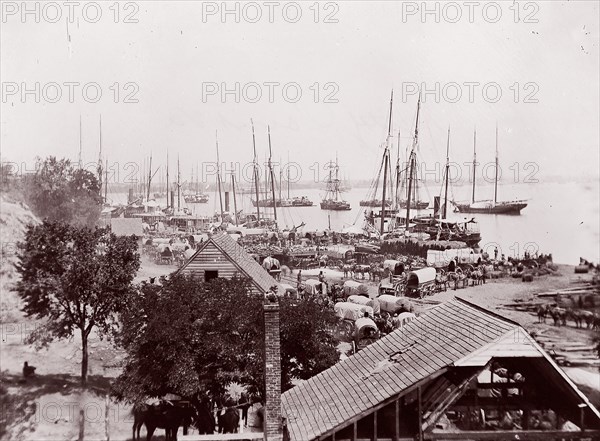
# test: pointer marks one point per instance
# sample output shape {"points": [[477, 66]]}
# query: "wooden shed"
{"points": [[221, 256], [456, 372]]}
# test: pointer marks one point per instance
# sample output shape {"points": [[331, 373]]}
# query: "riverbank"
{"points": [[48, 406]]}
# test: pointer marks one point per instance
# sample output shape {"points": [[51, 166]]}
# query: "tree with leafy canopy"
{"points": [[77, 279], [187, 336], [61, 192]]}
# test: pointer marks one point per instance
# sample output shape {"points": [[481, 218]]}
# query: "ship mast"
{"points": [[168, 194], [337, 181], [397, 198], [255, 172], [444, 211], [272, 177], [280, 179], [412, 163], [329, 188], [178, 186], [80, 162], [386, 154], [496, 178], [219, 175], [149, 178], [106, 182], [474, 163], [233, 191], [288, 176]]}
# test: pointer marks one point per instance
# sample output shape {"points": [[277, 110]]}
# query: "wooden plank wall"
{"points": [[212, 259]]}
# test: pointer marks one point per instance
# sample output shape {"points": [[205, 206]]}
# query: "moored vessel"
{"points": [[332, 200]]}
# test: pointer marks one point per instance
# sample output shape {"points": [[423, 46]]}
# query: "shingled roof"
{"points": [[241, 259], [434, 341]]}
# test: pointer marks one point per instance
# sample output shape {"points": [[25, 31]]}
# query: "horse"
{"points": [[458, 277], [205, 419], [542, 312], [476, 277], [361, 269], [559, 315], [574, 315], [163, 416], [347, 269], [441, 281], [376, 272], [588, 318], [229, 421]]}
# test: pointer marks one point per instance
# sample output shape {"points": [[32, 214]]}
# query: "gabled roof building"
{"points": [[222, 256], [456, 372]]}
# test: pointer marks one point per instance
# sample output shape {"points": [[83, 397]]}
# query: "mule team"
{"points": [[581, 318]]}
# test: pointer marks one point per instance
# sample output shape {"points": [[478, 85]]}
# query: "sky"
{"points": [[162, 68]]}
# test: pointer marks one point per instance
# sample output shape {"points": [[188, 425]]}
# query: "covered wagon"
{"points": [[164, 254], [441, 259], [352, 287], [352, 311], [197, 238], [365, 333], [161, 240], [395, 267], [392, 304], [289, 290], [404, 318], [420, 283], [360, 300], [340, 252], [314, 287]]}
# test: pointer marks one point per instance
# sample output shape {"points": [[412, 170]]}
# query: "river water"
{"points": [[561, 218]]}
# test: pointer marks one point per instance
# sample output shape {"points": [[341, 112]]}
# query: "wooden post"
{"points": [[420, 411], [81, 425], [106, 419], [374, 426], [396, 420], [354, 431], [581, 417]]}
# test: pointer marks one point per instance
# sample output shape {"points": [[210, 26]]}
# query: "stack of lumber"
{"points": [[583, 288], [565, 352]]}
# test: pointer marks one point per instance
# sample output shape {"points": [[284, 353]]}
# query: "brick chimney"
{"points": [[273, 423]]}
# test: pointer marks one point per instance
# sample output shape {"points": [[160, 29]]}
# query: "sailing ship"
{"points": [[260, 220], [332, 200], [490, 206], [374, 203], [196, 197], [437, 226], [297, 201], [385, 204]]}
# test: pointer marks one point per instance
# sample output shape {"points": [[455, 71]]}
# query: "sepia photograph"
{"points": [[300, 220]]}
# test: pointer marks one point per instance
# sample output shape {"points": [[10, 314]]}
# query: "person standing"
{"points": [[244, 404]]}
